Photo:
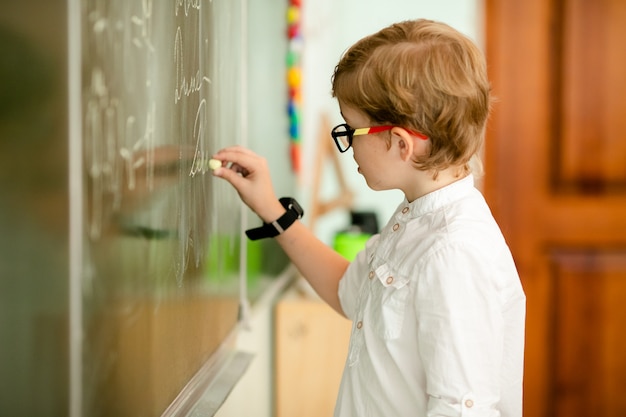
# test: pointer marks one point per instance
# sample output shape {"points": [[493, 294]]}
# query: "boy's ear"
{"points": [[406, 143]]}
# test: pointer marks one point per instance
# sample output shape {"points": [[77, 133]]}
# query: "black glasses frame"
{"points": [[337, 133], [344, 130]]}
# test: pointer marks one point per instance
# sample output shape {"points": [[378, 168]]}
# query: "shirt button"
{"points": [[360, 324], [396, 227], [405, 210], [389, 280], [469, 403], [371, 275]]}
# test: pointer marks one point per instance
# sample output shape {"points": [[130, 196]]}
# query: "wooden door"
{"points": [[555, 177]]}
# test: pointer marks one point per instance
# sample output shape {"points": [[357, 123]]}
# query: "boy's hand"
{"points": [[249, 174]]}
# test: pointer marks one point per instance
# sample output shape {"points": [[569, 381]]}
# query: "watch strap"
{"points": [[278, 226]]}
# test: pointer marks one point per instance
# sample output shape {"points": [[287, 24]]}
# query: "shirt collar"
{"points": [[441, 197]]}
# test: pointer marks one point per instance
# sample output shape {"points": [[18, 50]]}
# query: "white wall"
{"points": [[329, 28]]}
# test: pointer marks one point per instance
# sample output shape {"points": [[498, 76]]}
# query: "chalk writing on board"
{"points": [[111, 131], [144, 23], [199, 130], [188, 5], [185, 86], [145, 142], [161, 90], [153, 114]]}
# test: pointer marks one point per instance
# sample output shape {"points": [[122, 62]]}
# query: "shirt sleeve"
{"points": [[460, 332]]}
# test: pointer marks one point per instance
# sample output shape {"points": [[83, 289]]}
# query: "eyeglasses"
{"points": [[343, 134]]}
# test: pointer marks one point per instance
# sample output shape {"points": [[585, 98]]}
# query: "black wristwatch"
{"points": [[294, 212]]}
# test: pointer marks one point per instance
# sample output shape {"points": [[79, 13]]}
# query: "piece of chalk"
{"points": [[214, 164]]}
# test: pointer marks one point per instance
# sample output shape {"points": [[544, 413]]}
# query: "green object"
{"points": [[223, 258], [255, 259], [348, 244]]}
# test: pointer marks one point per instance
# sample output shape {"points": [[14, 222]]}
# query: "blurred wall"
{"points": [[33, 209]]}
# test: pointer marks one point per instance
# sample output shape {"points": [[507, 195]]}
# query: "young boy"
{"points": [[435, 299]]}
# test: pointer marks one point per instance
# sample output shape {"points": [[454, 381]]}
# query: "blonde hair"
{"points": [[425, 76]]}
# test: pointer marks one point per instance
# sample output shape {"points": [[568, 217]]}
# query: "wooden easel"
{"points": [[326, 150]]}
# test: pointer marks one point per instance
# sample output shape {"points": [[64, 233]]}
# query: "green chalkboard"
{"points": [[121, 258]]}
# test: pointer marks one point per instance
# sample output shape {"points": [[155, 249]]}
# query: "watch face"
{"points": [[291, 203]]}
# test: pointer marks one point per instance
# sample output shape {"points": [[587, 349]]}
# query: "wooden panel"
{"points": [[589, 78], [156, 350], [589, 365], [311, 348]]}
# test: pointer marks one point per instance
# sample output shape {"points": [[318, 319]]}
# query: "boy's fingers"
{"points": [[234, 154], [219, 170], [230, 175], [242, 157], [239, 169]]}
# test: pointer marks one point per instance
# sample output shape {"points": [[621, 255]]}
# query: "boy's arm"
{"points": [[320, 265]]}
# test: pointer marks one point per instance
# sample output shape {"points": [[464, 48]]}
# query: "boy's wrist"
{"points": [[272, 212], [290, 212]]}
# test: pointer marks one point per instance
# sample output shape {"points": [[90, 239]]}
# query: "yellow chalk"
{"points": [[214, 164]]}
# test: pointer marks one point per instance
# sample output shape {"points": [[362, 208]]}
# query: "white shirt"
{"points": [[438, 314]]}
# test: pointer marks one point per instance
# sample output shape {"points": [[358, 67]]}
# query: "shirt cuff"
{"points": [[468, 406]]}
